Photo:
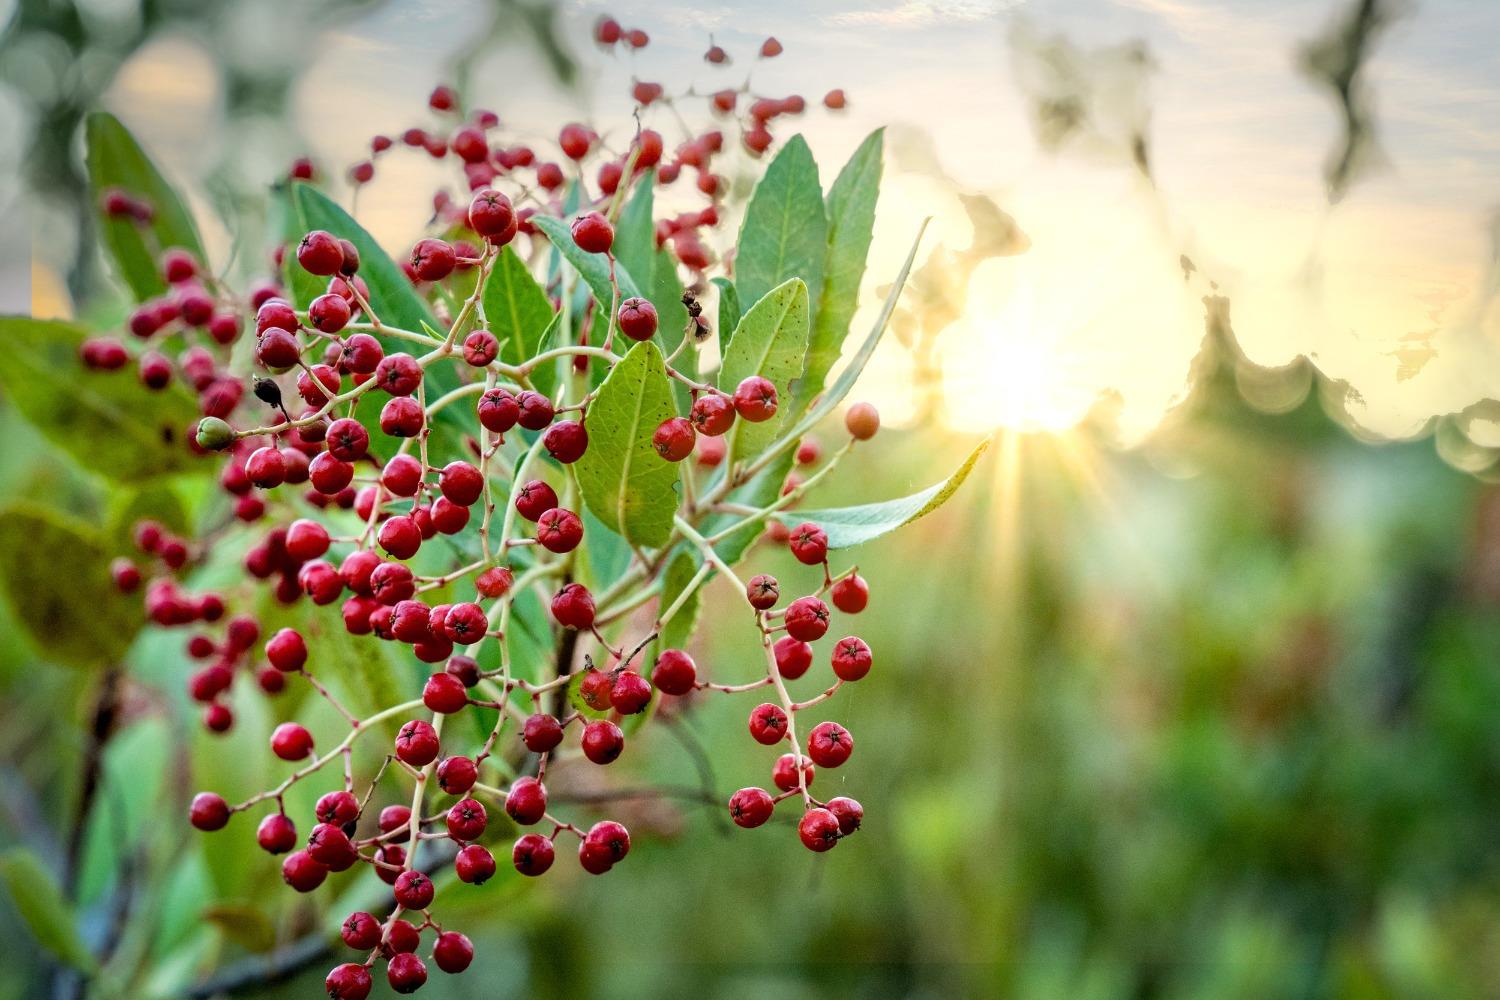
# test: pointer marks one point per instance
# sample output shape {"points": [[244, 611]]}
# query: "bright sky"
{"points": [[1393, 289]]}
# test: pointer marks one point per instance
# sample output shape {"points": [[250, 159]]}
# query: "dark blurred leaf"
{"points": [[771, 341], [116, 160], [55, 571], [785, 233], [243, 924], [847, 526], [108, 421], [39, 901]]}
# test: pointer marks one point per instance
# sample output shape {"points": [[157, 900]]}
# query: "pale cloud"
{"points": [[922, 13]]}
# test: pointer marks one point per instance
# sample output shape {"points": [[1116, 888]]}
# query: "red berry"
{"points": [[751, 807], [393, 818], [829, 744], [286, 650], [456, 775], [674, 673], [534, 499], [467, 820], [494, 582], [596, 689], [398, 374], [536, 410], [402, 476], [784, 774], [461, 483], [793, 657], [862, 421], [329, 313], [602, 741], [400, 536], [573, 607], [593, 233], [607, 31], [406, 973], [289, 741], [266, 468], [575, 140], [611, 837], [768, 724], [674, 439], [331, 847], [349, 981], [319, 253], [498, 410], [541, 733], [526, 802], [361, 354], [337, 808], [712, 414], [491, 214], [209, 812], [306, 539], [401, 937], [328, 475], [851, 658], [755, 399], [637, 318], [559, 530], [631, 693], [770, 48], [809, 543], [360, 931], [414, 890], [480, 348], [474, 865], [417, 743], [433, 260], [763, 591], [819, 830], [533, 854], [126, 576], [301, 872], [401, 417], [445, 694], [453, 952], [835, 100], [851, 594], [807, 619], [848, 812]]}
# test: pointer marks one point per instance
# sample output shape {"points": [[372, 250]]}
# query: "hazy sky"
{"points": [[1387, 289]]}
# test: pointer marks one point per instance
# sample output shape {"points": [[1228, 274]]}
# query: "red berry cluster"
{"points": [[354, 400]]}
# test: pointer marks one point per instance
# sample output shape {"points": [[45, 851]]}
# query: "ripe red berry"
{"points": [[851, 658], [467, 820], [348, 441], [751, 807], [602, 741], [286, 650], [391, 583], [770, 48], [851, 594], [360, 931], [768, 724], [848, 812], [125, 574], [675, 672], [290, 741], [492, 215], [594, 858], [407, 973], [596, 689], [445, 693], [453, 952], [819, 830], [414, 890], [559, 530], [461, 483], [331, 847], [338, 808], [329, 313], [349, 981], [755, 399], [575, 140], [209, 812], [763, 591], [835, 100], [361, 354], [534, 499], [862, 421], [784, 774], [637, 318], [417, 743], [401, 937], [807, 619], [536, 410], [266, 468], [319, 253], [593, 233], [400, 536], [631, 693], [480, 348], [433, 260], [829, 744], [573, 607], [526, 802], [498, 410], [401, 417], [328, 475], [402, 476], [712, 414], [716, 55], [809, 543], [611, 837], [541, 733], [793, 657], [533, 854], [474, 865], [456, 775], [674, 439], [494, 582], [398, 374], [301, 872], [566, 441]]}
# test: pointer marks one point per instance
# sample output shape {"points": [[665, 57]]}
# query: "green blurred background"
{"points": [[1214, 717]]}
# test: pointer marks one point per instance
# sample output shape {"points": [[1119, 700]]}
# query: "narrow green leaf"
{"points": [[546, 377], [770, 341], [679, 574], [392, 296], [847, 526], [516, 309], [851, 221], [55, 572], [594, 267], [627, 485], [785, 233], [115, 160], [39, 901], [635, 232], [108, 421], [729, 310]]}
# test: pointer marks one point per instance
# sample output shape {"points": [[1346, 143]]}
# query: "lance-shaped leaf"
{"points": [[851, 221], [515, 307], [594, 267], [635, 232], [40, 902], [628, 486], [729, 310], [116, 161], [785, 233], [847, 526], [679, 574], [770, 341], [108, 421]]}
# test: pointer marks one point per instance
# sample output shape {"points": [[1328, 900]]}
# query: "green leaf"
{"points": [[392, 296], [627, 485], [770, 341], [761, 491], [594, 267], [243, 924], [851, 221], [635, 232], [55, 572], [785, 233], [39, 900], [605, 554], [672, 317], [848, 526], [546, 377], [108, 421], [729, 310], [115, 160], [516, 309], [680, 572]]}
